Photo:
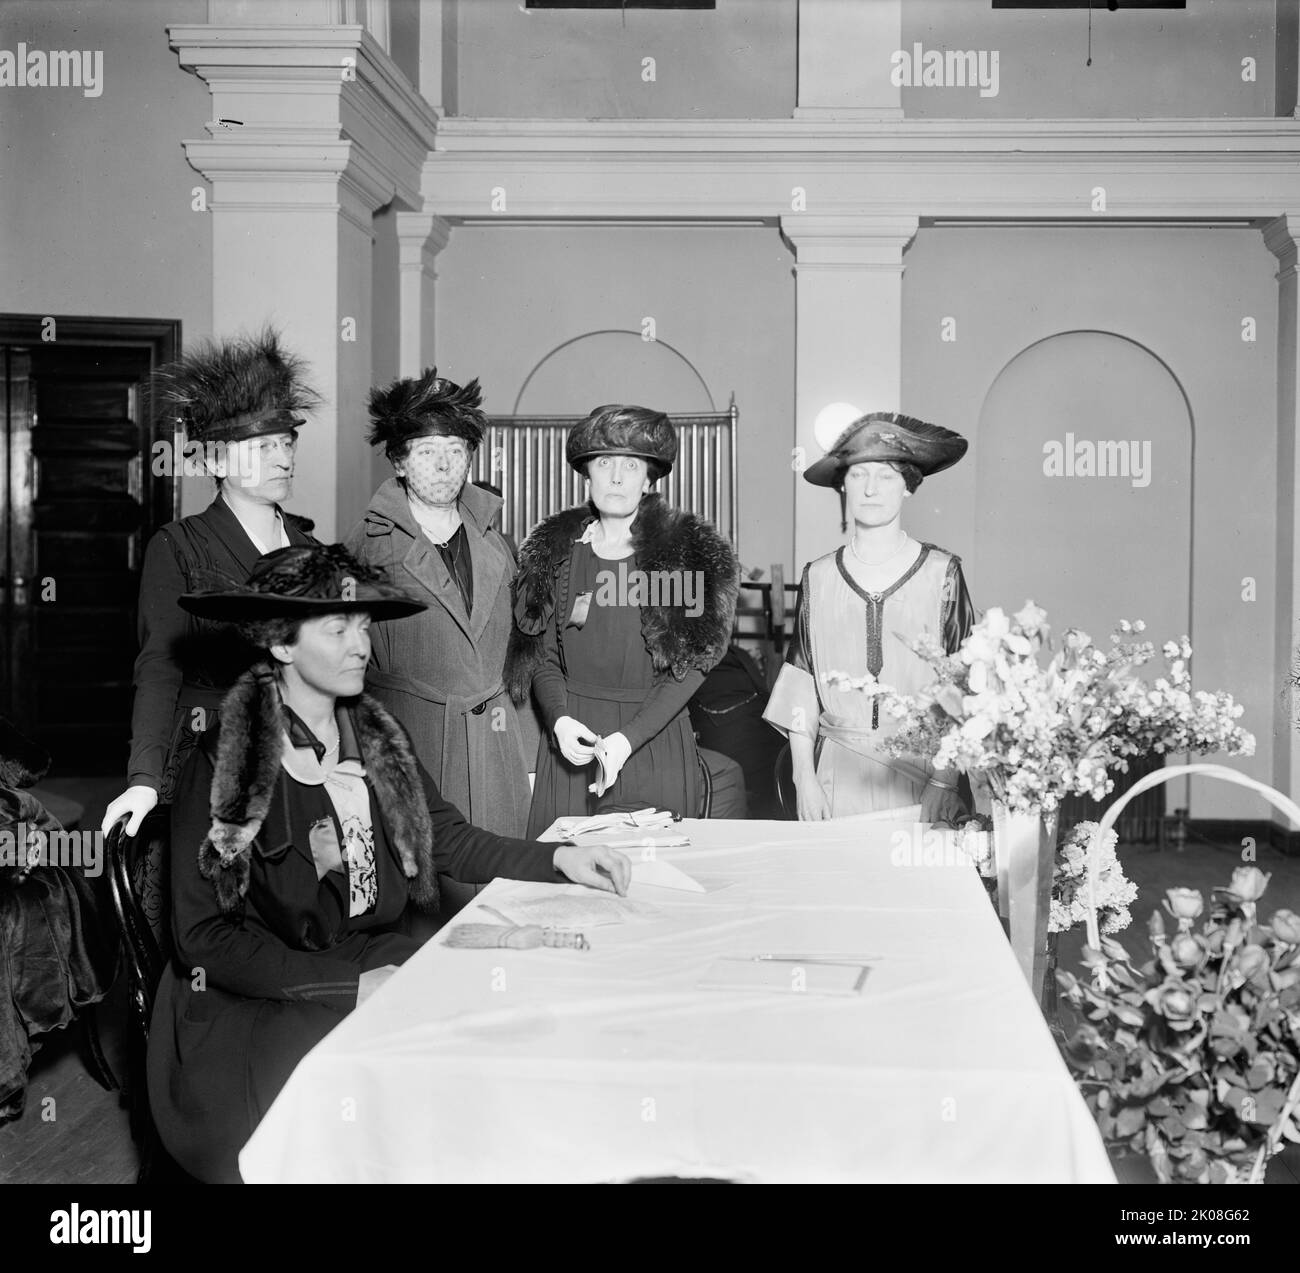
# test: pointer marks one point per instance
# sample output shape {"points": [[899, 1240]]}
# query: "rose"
{"points": [[1176, 1001], [1251, 960], [1185, 949], [1248, 883], [1184, 904], [1286, 926]]}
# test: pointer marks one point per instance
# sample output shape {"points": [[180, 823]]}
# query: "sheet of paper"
{"points": [[664, 875]]}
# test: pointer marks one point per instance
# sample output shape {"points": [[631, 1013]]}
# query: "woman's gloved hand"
{"points": [[132, 804], [577, 742], [614, 753]]}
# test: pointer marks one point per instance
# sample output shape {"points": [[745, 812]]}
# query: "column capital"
{"points": [[1280, 237], [420, 237], [302, 96], [848, 242]]}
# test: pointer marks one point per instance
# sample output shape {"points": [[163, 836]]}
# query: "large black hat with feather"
{"points": [[425, 406], [305, 582], [229, 390]]}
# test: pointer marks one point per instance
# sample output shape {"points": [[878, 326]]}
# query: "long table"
{"points": [[612, 1064]]}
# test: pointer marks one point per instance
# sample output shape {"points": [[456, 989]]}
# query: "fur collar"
{"points": [[248, 773], [663, 539]]}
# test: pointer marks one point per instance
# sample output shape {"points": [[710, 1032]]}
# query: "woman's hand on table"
{"points": [[577, 742], [132, 805], [616, 750], [941, 803], [811, 799], [595, 866]]}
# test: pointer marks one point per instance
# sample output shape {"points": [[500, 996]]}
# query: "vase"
{"points": [[1024, 843]]}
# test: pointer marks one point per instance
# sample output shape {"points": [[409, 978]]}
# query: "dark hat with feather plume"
{"points": [[22, 761], [425, 406], [245, 387], [305, 582]]}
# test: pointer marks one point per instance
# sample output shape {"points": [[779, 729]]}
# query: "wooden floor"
{"points": [[85, 1136], [72, 1130]]}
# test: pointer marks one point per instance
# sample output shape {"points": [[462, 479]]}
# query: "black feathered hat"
{"points": [[226, 391], [305, 582], [623, 430], [425, 406], [890, 438]]}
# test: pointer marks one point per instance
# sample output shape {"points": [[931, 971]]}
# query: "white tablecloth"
{"points": [[611, 1064]]}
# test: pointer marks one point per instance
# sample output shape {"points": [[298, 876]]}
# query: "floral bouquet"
{"points": [[1042, 726], [1193, 1058], [1069, 884]]}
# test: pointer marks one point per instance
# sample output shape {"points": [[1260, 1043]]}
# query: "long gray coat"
{"points": [[439, 672]]}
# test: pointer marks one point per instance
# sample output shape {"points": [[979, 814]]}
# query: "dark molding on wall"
{"points": [[1234, 830]]}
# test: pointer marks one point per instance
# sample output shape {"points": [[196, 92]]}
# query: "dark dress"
{"points": [[244, 1000], [611, 688], [186, 665]]}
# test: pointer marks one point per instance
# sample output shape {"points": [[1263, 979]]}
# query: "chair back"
{"points": [[131, 859], [783, 776], [706, 801]]}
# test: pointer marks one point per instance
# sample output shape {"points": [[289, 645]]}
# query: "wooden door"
{"points": [[81, 503]]}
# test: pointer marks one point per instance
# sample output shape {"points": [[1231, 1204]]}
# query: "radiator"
{"points": [[524, 456], [1143, 818]]}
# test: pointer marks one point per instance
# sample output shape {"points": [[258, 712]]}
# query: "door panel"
{"points": [[81, 504]]}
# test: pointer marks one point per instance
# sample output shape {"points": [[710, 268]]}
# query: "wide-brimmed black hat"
{"points": [[623, 430], [305, 582], [425, 406], [889, 438], [230, 390]]}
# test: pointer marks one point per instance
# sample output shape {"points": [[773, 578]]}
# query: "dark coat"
{"points": [[186, 663], [267, 961], [58, 942], [439, 672], [664, 540]]}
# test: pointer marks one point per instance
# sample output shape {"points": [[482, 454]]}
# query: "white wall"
{"points": [[723, 298], [1182, 294], [735, 61], [1146, 63], [95, 193]]}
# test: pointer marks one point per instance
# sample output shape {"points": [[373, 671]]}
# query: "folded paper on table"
{"points": [[644, 819], [589, 909], [784, 976], [664, 875]]}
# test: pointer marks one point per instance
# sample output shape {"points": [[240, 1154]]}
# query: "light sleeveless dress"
{"points": [[840, 627]]}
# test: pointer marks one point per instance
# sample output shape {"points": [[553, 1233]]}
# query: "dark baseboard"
{"points": [[1234, 830]]}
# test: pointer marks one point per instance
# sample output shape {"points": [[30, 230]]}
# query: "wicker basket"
{"points": [[1224, 774]]}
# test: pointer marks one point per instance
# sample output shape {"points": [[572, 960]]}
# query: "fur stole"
{"points": [[248, 771], [663, 539]]}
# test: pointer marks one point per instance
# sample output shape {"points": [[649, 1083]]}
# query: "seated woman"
{"points": [[621, 606], [302, 830], [857, 608]]}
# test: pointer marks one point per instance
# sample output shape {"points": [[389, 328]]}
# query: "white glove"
{"points": [[576, 741], [613, 751], [134, 802]]}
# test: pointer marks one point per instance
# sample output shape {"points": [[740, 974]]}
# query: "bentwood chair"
{"points": [[144, 950]]}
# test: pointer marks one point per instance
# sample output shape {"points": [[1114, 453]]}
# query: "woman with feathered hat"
{"points": [[241, 403], [854, 606], [440, 672], [303, 830], [621, 606]]}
